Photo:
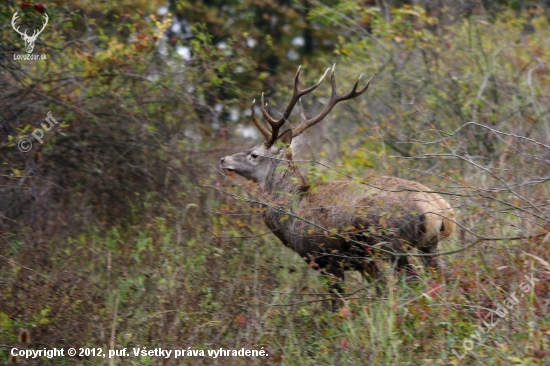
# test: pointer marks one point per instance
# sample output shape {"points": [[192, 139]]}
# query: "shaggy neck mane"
{"points": [[285, 180]]}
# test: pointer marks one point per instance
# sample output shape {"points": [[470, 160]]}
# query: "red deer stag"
{"points": [[387, 212]]}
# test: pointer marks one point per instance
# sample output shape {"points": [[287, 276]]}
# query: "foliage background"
{"points": [[114, 232]]}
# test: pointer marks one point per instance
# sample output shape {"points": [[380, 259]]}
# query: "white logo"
{"points": [[29, 40]]}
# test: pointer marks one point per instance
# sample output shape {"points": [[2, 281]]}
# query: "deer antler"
{"points": [[13, 19], [276, 124], [262, 129], [35, 34], [334, 99]]}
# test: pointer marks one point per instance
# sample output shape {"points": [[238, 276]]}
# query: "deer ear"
{"points": [[285, 138]]}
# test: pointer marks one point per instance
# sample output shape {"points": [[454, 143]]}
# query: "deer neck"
{"points": [[285, 181]]}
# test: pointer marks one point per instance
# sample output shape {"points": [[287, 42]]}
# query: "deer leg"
{"points": [[367, 267], [370, 270], [371, 273], [401, 262], [335, 274], [432, 262], [336, 289]]}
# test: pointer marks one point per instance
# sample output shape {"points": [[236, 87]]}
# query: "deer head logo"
{"points": [[29, 40]]}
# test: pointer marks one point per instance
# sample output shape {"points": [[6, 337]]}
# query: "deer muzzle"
{"points": [[225, 164]]}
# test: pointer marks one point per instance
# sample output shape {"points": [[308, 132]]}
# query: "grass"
{"points": [[160, 285], [178, 275]]}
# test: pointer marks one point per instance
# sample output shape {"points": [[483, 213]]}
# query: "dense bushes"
{"points": [[118, 231]]}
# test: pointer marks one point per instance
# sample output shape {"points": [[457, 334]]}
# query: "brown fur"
{"points": [[388, 212], [343, 205]]}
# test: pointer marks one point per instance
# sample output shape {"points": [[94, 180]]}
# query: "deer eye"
{"points": [[254, 156]]}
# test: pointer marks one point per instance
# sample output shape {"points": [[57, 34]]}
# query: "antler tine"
{"points": [[334, 99], [36, 33], [13, 19], [267, 124], [262, 129], [45, 24], [298, 93]]}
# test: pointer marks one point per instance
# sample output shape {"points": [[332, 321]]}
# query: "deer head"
{"points": [[29, 40], [258, 163]]}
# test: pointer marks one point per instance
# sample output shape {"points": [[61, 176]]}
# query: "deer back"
{"points": [[384, 209]]}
